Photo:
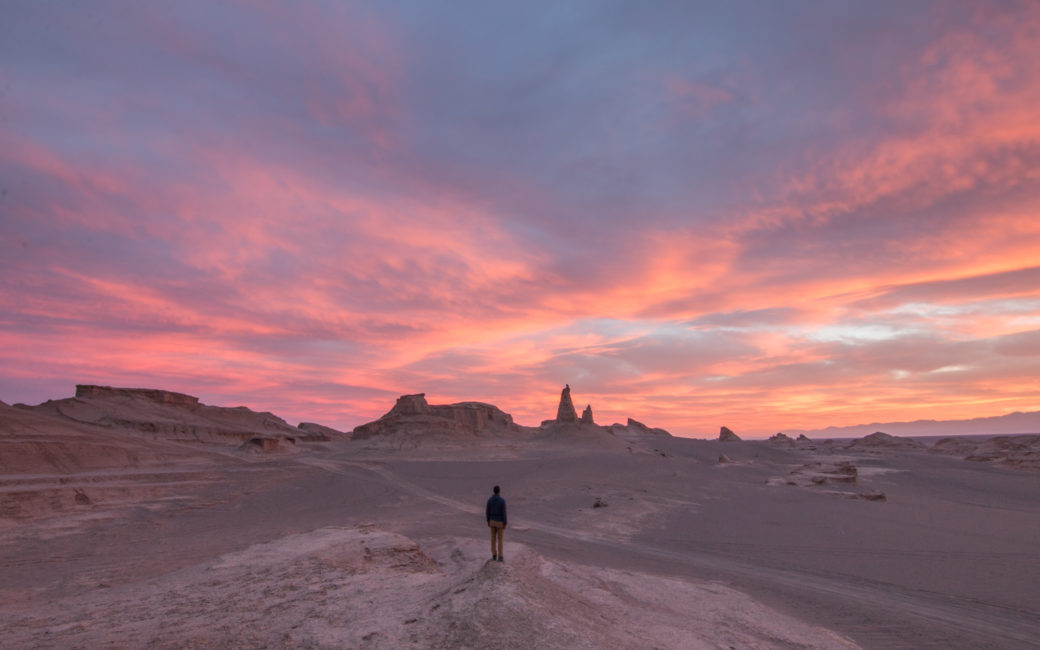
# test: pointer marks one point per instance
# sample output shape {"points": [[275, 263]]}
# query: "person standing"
{"points": [[496, 521]]}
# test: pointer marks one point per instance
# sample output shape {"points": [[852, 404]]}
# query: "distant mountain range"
{"points": [[1016, 422]]}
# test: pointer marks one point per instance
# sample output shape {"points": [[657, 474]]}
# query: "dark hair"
{"points": [[496, 489]]}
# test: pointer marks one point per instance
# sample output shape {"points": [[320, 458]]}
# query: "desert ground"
{"points": [[145, 519]]}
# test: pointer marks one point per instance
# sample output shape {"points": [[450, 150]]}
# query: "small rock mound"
{"points": [[820, 473], [781, 439], [727, 435], [956, 446], [882, 440]]}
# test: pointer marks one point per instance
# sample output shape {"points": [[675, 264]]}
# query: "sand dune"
{"points": [[619, 536]]}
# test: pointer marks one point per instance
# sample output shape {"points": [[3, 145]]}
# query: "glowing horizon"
{"points": [[765, 217]]}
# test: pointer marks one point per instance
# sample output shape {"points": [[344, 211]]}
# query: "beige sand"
{"points": [[350, 544]]}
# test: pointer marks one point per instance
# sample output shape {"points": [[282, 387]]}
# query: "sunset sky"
{"points": [[766, 215]]}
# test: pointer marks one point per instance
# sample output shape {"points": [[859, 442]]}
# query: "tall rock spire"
{"points": [[566, 412]]}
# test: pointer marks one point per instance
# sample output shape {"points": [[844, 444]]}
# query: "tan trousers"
{"points": [[496, 536]]}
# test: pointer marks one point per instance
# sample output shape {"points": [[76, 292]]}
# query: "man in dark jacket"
{"points": [[496, 521]]}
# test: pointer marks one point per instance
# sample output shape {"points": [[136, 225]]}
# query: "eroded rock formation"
{"points": [[781, 439], [638, 427], [412, 415], [1019, 451], [586, 415], [260, 443], [881, 440], [168, 415], [312, 431], [726, 435], [566, 412], [165, 397], [411, 405]]}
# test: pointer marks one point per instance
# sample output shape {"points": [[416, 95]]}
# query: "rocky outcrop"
{"points": [[803, 438], [412, 417], [1022, 452], [782, 439], [565, 413], [834, 478], [261, 444], [411, 405], [164, 397], [872, 496], [635, 428], [1018, 451], [727, 435], [956, 446], [881, 440], [657, 431], [166, 415], [586, 415], [313, 432]]}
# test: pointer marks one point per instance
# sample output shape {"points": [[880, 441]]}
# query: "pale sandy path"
{"points": [[874, 613]]}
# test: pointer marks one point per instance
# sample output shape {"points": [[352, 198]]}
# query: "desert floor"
{"points": [[339, 544]]}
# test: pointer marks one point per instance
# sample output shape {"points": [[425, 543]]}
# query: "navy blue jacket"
{"points": [[496, 509]]}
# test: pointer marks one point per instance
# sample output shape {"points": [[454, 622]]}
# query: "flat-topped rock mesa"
{"points": [[174, 416], [412, 415], [727, 435], [166, 397]]}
